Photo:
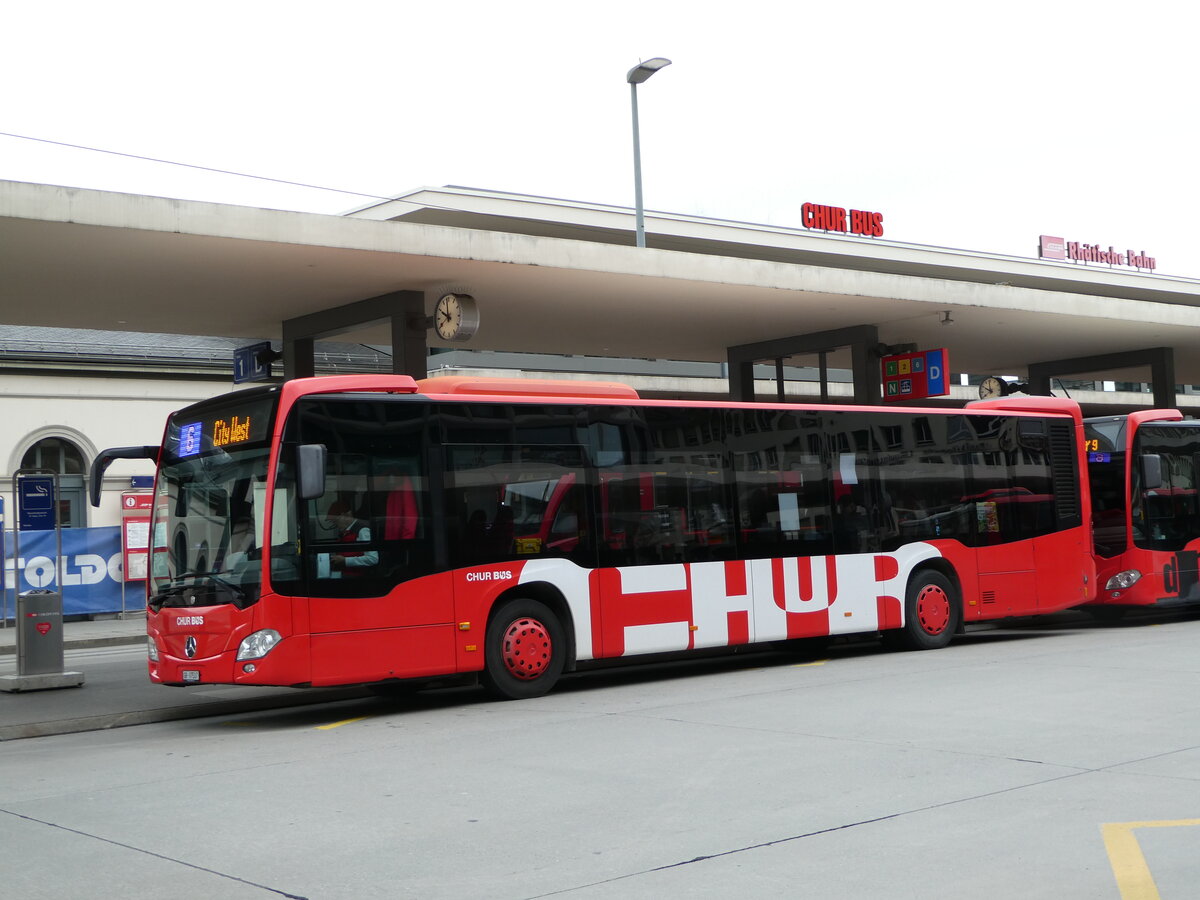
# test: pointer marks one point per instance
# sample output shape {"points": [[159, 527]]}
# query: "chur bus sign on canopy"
{"points": [[848, 221]]}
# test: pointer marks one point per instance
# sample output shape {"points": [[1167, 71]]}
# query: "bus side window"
{"points": [[477, 528], [564, 530], [500, 536], [504, 500], [400, 516], [620, 514]]}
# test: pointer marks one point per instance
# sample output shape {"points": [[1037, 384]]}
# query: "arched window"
{"points": [[55, 454], [59, 455]]}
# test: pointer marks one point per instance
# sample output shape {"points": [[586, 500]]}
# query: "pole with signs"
{"points": [[39, 617], [253, 362], [135, 538], [915, 376]]}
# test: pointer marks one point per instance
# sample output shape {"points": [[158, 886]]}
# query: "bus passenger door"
{"points": [[375, 609]]}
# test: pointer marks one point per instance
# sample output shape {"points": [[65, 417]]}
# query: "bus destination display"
{"points": [[222, 430]]}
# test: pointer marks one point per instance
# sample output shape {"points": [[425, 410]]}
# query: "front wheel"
{"points": [[931, 612], [525, 650]]}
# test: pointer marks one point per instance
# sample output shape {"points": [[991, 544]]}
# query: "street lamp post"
{"points": [[636, 76]]}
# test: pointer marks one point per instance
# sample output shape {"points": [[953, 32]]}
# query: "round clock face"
{"points": [[991, 387], [455, 317]]}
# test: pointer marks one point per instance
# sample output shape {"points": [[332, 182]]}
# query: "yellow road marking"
{"points": [[1134, 880], [341, 723], [819, 662]]}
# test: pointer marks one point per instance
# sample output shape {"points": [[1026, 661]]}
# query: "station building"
{"points": [[117, 309]]}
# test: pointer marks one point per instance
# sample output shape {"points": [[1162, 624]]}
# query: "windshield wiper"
{"points": [[178, 591], [223, 582], [176, 587]]}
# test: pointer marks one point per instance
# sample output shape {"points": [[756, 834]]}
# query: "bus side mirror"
{"points": [[310, 471], [105, 458], [1151, 471]]}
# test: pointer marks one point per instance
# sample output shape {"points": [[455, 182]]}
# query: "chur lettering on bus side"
{"points": [[684, 606]]}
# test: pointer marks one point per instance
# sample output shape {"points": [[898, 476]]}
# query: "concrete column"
{"points": [[404, 310]]}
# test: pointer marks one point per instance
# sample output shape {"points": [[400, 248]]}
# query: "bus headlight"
{"points": [[151, 649], [259, 644], [1122, 580]]}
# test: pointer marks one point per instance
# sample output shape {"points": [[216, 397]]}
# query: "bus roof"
{"points": [[459, 385], [1031, 404], [334, 384]]}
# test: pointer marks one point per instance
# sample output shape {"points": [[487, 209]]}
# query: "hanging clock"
{"points": [[993, 387], [455, 317]]}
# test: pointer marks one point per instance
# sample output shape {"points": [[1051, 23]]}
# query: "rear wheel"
{"points": [[525, 650], [931, 612]]}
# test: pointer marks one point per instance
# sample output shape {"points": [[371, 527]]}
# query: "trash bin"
{"points": [[39, 632]]}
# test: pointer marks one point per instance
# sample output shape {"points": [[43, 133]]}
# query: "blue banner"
{"points": [[90, 570]]}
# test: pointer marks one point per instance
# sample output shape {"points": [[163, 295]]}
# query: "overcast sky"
{"points": [[970, 125]]}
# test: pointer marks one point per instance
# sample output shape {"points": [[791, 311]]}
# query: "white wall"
{"points": [[94, 413]]}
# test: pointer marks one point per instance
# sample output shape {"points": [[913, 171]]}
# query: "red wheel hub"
{"points": [[933, 609], [526, 649]]}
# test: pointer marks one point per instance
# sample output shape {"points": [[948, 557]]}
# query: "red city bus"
{"points": [[1143, 472], [376, 530]]}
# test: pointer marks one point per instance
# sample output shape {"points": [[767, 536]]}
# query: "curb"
{"points": [[114, 641], [176, 713]]}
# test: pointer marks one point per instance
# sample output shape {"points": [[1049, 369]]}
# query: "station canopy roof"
{"points": [[553, 276]]}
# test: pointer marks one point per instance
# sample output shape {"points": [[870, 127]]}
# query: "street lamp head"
{"points": [[642, 71]]}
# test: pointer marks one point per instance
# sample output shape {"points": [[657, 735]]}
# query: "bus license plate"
{"points": [[191, 675]]}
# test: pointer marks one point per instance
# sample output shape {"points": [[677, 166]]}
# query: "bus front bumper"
{"points": [[286, 663]]}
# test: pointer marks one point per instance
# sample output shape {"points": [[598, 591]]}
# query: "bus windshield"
{"points": [[206, 537], [210, 508], [1105, 445], [1166, 516]]}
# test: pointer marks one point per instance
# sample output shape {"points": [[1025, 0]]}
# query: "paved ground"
{"points": [[113, 695], [1049, 758]]}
